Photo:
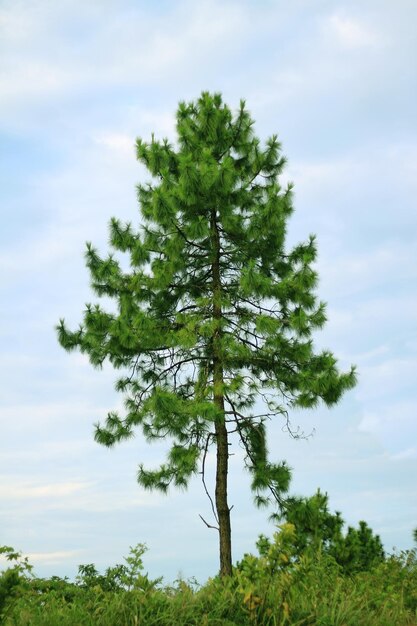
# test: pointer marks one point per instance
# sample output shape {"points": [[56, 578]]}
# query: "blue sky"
{"points": [[79, 81]]}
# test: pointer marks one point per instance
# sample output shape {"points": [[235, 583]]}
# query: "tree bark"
{"points": [[222, 507], [222, 458]]}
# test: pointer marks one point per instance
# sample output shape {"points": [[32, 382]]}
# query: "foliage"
{"points": [[318, 529], [214, 322], [118, 577], [279, 586], [13, 579], [316, 526], [358, 550]]}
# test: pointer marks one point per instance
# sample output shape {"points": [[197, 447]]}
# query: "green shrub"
{"points": [[277, 587], [13, 579]]}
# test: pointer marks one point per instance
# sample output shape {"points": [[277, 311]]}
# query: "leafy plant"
{"points": [[12, 579], [278, 586], [129, 576], [320, 530]]}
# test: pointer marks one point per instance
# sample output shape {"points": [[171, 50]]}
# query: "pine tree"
{"points": [[316, 528], [359, 550], [215, 317], [319, 530]]}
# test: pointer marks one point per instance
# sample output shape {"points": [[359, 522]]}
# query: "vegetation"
{"points": [[281, 586], [213, 336], [318, 529], [214, 322]]}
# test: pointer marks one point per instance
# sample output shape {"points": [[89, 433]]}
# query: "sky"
{"points": [[79, 81]]}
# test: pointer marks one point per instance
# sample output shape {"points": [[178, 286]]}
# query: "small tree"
{"points": [[215, 317], [317, 529], [359, 549]]}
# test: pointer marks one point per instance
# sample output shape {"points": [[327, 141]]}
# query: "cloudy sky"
{"points": [[79, 81]]}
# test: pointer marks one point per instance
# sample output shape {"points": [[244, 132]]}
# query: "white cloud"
{"points": [[370, 423], [24, 490], [34, 417], [146, 121], [395, 375], [52, 245], [360, 271], [32, 80], [51, 558], [17, 24], [37, 497], [46, 558], [110, 500], [116, 142], [372, 355], [77, 202], [358, 170], [314, 175], [393, 423], [47, 451], [407, 453], [127, 48], [403, 157], [349, 32]]}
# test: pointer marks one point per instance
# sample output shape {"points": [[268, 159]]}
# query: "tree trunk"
{"points": [[222, 507]]}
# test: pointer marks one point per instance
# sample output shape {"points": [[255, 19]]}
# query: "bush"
{"points": [[278, 586]]}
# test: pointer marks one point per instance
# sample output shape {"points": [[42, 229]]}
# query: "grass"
{"points": [[275, 589]]}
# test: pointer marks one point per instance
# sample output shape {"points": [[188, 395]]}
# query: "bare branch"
{"points": [[207, 524], [203, 479]]}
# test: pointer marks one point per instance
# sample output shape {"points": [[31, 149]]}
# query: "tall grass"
{"points": [[276, 588]]}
